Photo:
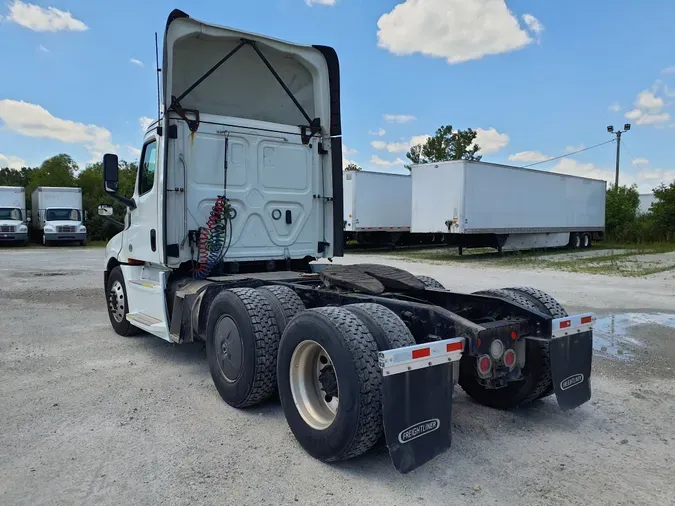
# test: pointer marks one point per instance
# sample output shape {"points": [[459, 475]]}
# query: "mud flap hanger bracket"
{"points": [[307, 131]]}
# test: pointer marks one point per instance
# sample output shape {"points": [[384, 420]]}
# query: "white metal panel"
{"points": [[381, 201], [348, 182], [68, 198], [437, 190], [13, 196], [513, 199]]}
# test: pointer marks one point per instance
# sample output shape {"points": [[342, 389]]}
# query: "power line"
{"points": [[631, 155], [569, 154]]}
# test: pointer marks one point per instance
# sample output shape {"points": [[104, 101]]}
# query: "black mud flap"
{"points": [[571, 358], [417, 409]]}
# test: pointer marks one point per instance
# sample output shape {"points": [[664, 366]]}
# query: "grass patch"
{"points": [[96, 244]]}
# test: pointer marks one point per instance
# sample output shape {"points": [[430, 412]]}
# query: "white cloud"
{"points": [[419, 139], [398, 118], [534, 25], [528, 156], [145, 122], [348, 151], [571, 148], [668, 70], [400, 147], [379, 132], [647, 100], [648, 109], [41, 19], [640, 162], [490, 141], [614, 107], [645, 118], [13, 162], [35, 121], [134, 152], [136, 62], [43, 49], [379, 144], [386, 163], [320, 2], [457, 30]]}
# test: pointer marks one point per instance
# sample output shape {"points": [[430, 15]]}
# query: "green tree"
{"points": [[58, 170], [663, 210], [446, 145], [621, 205], [352, 167], [16, 177]]}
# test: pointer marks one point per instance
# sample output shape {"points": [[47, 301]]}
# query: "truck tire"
{"points": [[384, 325], [45, 242], [547, 305], [536, 372], [116, 301], [586, 241], [330, 383], [242, 340], [430, 282], [83, 243], [575, 240], [285, 304]]}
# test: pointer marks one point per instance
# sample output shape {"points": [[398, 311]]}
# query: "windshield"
{"points": [[10, 213], [62, 215]]}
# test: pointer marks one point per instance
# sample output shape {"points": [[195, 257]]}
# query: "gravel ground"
{"points": [[90, 417]]}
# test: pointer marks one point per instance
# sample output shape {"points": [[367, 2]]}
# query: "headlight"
{"points": [[49, 228], [23, 228], [83, 228]]}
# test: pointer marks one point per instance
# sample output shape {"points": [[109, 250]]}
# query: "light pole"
{"points": [[618, 133]]}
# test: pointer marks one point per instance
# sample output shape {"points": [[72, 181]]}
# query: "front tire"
{"points": [[117, 302], [430, 282], [330, 383]]}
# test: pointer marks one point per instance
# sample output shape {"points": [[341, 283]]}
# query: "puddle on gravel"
{"points": [[42, 274], [616, 335]]}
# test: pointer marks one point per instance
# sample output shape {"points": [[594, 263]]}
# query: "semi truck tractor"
{"points": [[13, 219], [57, 215], [237, 209]]}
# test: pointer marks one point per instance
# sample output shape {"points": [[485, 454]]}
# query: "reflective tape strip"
{"points": [[420, 356], [573, 324]]}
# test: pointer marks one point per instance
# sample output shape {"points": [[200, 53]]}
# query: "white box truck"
{"points": [[478, 204], [57, 215], [13, 219]]}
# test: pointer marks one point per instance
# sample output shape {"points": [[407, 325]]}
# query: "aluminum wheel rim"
{"points": [[316, 407], [116, 302]]}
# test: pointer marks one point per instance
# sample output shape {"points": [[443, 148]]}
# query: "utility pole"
{"points": [[618, 133]]}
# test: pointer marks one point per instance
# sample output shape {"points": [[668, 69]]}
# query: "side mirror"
{"points": [[28, 216], [104, 210], [111, 170]]}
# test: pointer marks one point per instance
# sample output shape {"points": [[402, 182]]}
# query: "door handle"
{"points": [[153, 240]]}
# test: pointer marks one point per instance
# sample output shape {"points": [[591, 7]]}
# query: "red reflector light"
{"points": [[484, 364], [565, 324], [421, 353], [478, 342], [133, 261], [514, 335], [454, 347], [586, 319], [510, 358]]}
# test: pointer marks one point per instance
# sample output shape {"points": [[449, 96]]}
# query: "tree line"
{"points": [[61, 170]]}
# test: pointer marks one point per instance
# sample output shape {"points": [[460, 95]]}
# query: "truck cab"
{"points": [[13, 219]]}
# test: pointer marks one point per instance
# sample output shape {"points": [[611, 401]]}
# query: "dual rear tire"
{"points": [[322, 361]]}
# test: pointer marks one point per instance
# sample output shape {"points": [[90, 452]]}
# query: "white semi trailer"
{"points": [[239, 191], [477, 204], [58, 216], [13, 219]]}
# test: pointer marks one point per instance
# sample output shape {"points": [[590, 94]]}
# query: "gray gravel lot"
{"points": [[89, 417]]}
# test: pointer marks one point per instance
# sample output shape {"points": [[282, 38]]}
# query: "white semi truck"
{"points": [[13, 219], [477, 204], [58, 216], [238, 193]]}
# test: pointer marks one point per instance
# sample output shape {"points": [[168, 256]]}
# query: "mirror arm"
{"points": [[130, 203], [118, 224]]}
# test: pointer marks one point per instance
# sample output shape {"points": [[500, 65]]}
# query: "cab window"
{"points": [[146, 171]]}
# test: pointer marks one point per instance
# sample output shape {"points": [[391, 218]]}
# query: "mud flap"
{"points": [[417, 401], [571, 359]]}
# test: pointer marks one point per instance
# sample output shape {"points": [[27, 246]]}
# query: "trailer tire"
{"points": [[430, 282], [575, 241], [536, 372], [586, 241], [384, 325], [341, 341], [285, 304], [116, 300], [546, 304], [242, 340]]}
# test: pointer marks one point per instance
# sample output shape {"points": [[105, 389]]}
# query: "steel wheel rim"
{"points": [[309, 364], [116, 303], [585, 241], [228, 348], [577, 241]]}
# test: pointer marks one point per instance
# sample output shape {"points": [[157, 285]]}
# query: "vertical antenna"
{"points": [[159, 99]]}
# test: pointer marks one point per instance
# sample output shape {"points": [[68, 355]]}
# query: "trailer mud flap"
{"points": [[417, 388], [571, 359]]}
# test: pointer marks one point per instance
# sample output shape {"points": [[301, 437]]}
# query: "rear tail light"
{"points": [[497, 349], [484, 365], [510, 359]]}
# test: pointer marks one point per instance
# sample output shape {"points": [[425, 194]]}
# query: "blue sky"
{"points": [[537, 77]]}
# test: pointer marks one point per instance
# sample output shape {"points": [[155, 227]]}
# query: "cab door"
{"points": [[143, 236]]}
